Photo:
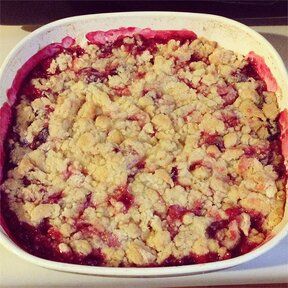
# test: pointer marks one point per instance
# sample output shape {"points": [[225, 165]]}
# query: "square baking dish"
{"points": [[228, 33]]}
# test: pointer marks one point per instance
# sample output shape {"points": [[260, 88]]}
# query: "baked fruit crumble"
{"points": [[143, 148]]}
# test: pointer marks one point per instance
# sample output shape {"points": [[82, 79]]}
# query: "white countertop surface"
{"points": [[272, 267]]}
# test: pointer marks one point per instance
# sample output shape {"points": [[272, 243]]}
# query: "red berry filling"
{"points": [[195, 165], [31, 92], [122, 91], [257, 220], [95, 258], [233, 212], [123, 195], [214, 227], [54, 198], [249, 71], [197, 208], [40, 138], [176, 212], [86, 204], [174, 174], [244, 245], [191, 259], [75, 50], [212, 139], [228, 94], [230, 120], [26, 182]]}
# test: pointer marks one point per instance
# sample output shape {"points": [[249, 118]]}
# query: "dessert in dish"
{"points": [[143, 148]]}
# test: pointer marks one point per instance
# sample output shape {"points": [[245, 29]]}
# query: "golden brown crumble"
{"points": [[139, 155]]}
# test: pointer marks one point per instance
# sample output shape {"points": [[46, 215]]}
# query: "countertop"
{"points": [[272, 267]]}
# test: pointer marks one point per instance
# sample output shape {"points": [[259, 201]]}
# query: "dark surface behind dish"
{"points": [[249, 12]]}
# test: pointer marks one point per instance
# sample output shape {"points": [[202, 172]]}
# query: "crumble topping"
{"points": [[144, 153]]}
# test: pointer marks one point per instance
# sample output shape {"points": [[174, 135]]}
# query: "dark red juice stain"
{"points": [[116, 149], [197, 208], [205, 258], [259, 65], [212, 139], [195, 57], [230, 120], [228, 94], [174, 174], [140, 165], [257, 220], [233, 212], [31, 92], [176, 212], [48, 109], [26, 182], [283, 124], [231, 179], [190, 259], [95, 258], [40, 138], [214, 227], [54, 198], [55, 234], [275, 157], [75, 50], [122, 91], [86, 204], [258, 152], [123, 195], [243, 247], [249, 71], [195, 165], [262, 87]]}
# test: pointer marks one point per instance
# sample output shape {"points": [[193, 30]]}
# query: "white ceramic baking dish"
{"points": [[228, 33]]}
